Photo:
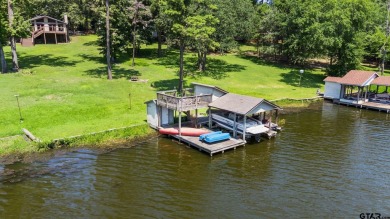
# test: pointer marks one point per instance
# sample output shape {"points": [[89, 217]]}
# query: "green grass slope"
{"points": [[63, 90]]}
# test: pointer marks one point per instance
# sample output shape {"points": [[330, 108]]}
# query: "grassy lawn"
{"points": [[63, 90]]}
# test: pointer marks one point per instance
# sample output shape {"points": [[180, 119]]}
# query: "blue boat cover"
{"points": [[217, 137], [201, 137]]}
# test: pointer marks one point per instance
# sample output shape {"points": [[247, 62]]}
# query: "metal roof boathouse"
{"points": [[244, 106], [161, 113], [360, 89]]}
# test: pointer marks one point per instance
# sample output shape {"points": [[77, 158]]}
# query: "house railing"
{"points": [[185, 103]]}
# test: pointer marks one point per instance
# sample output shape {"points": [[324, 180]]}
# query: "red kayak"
{"points": [[184, 131]]}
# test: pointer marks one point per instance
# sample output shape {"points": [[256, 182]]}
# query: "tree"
{"points": [[383, 48], [200, 29], [83, 14], [177, 11], [17, 27], [160, 22], [353, 20], [119, 32], [301, 29], [139, 15], [267, 29], [15, 65], [3, 37], [108, 54], [190, 20], [237, 24], [201, 34]]}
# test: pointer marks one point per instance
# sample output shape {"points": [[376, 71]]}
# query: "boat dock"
{"points": [[368, 105], [169, 109], [219, 147]]}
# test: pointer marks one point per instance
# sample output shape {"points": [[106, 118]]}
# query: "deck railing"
{"points": [[183, 103]]}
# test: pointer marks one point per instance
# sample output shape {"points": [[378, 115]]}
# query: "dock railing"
{"points": [[186, 103]]}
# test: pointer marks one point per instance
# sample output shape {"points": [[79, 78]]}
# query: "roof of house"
{"points": [[357, 77], [332, 79], [382, 80], [43, 16], [239, 104], [211, 86]]}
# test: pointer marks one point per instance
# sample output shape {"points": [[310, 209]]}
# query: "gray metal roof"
{"points": [[211, 86], [239, 104], [43, 16]]}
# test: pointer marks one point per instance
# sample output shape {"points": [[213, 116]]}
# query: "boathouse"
{"points": [[359, 88], [47, 30], [240, 107], [170, 107], [332, 88], [216, 92], [161, 111]]}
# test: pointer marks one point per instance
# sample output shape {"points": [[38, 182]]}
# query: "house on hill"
{"points": [[45, 29]]}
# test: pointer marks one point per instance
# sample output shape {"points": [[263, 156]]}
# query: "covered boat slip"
{"points": [[240, 108], [362, 89]]}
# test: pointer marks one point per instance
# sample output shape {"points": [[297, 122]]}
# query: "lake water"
{"points": [[329, 161]]}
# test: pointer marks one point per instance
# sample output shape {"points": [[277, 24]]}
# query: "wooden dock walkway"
{"points": [[211, 149], [368, 105]]}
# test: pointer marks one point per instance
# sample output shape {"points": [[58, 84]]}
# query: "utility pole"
{"points": [[383, 49]]}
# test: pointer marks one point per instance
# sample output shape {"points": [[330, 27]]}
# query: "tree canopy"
{"points": [[343, 32]]}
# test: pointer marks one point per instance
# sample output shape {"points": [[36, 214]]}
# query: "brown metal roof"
{"points": [[356, 77], [332, 79], [382, 80], [238, 103]]}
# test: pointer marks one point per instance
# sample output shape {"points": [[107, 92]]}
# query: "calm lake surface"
{"points": [[330, 161]]}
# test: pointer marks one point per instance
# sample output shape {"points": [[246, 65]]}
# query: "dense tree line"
{"points": [[296, 31]]}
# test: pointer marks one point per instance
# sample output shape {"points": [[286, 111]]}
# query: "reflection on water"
{"points": [[328, 162]]}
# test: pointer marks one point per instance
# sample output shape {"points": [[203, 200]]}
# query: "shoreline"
{"points": [[112, 139]]}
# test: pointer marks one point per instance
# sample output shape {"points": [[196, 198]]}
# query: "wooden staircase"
{"points": [[27, 42], [38, 32]]}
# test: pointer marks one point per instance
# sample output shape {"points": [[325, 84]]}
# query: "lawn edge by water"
{"points": [[18, 150]]}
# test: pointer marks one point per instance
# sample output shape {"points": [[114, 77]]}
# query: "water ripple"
{"points": [[330, 163]]}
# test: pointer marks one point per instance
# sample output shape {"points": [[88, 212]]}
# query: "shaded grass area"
{"points": [[63, 90]]}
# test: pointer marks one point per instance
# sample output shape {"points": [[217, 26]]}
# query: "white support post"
{"points": [[235, 126], [209, 117], [358, 96], [196, 118], [365, 95], [180, 123], [158, 115], [243, 131]]}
